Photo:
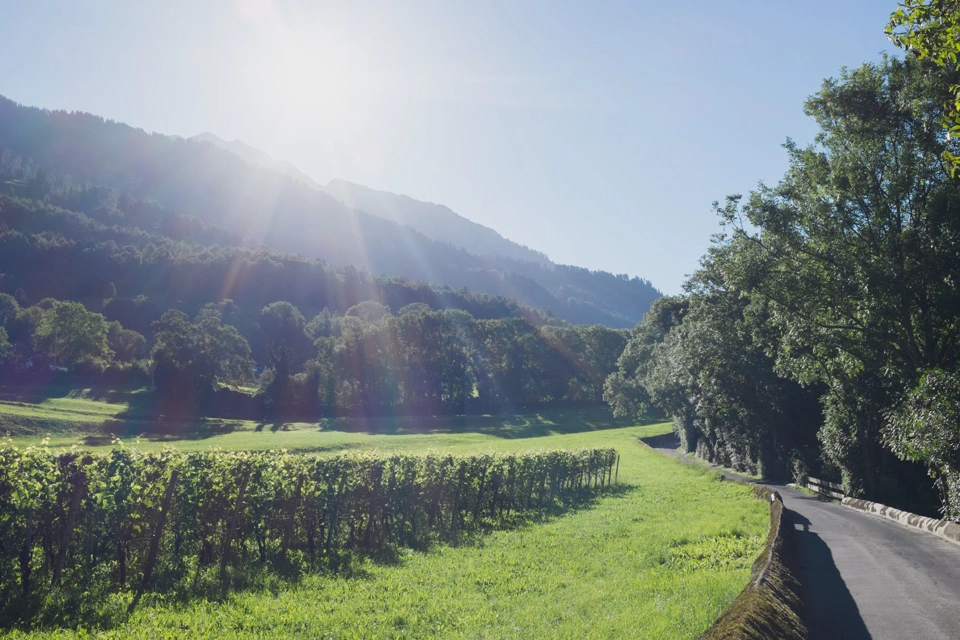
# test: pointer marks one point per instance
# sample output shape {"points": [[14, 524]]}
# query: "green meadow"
{"points": [[659, 556]]}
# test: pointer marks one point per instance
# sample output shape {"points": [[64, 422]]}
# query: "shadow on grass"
{"points": [[35, 392], [162, 430], [516, 426], [476, 531], [144, 416]]}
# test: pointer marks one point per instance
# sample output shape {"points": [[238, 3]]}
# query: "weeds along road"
{"points": [[865, 576]]}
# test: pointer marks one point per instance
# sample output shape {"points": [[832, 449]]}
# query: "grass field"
{"points": [[29, 413], [660, 558]]}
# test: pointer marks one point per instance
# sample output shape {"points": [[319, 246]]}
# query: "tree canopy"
{"points": [[837, 285], [930, 29], [68, 334]]}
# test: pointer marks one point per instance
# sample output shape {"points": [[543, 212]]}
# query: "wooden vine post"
{"points": [[231, 529], [155, 538], [291, 517], [25, 553], [78, 486]]}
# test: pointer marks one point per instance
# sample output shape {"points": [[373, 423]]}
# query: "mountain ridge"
{"points": [[256, 156], [270, 208]]}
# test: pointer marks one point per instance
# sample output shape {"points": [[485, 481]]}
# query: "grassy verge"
{"points": [[770, 606], [662, 558]]}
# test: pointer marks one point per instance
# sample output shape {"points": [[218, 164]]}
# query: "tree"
{"points": [[275, 383], [930, 29], [853, 256], [926, 428], [6, 349], [69, 334], [624, 389], [324, 325], [192, 358], [369, 311], [8, 309], [127, 345], [282, 326]]}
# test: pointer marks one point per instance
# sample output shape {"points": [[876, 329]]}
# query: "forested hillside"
{"points": [[257, 157], [261, 206], [105, 285]]}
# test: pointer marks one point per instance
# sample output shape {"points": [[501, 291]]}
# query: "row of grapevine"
{"points": [[84, 525]]}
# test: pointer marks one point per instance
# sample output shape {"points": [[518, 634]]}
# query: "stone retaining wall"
{"points": [[770, 605]]}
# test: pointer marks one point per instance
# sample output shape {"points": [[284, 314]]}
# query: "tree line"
{"points": [[820, 333], [367, 361]]}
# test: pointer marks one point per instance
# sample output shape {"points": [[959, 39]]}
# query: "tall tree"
{"points": [[930, 29], [192, 358], [625, 390], [854, 256], [69, 335]]}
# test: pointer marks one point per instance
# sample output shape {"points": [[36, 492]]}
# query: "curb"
{"points": [[944, 528]]}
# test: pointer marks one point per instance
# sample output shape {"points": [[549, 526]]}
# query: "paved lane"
{"points": [[868, 577]]}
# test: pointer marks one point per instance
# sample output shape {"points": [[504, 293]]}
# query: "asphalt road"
{"points": [[865, 576]]}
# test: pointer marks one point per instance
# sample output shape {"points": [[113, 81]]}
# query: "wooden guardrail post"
{"points": [[823, 487]]}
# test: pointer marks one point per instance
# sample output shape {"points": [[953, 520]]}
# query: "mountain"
{"points": [[257, 157], [435, 221], [269, 208]]}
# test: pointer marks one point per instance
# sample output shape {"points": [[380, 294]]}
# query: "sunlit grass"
{"points": [[31, 415], [660, 559]]}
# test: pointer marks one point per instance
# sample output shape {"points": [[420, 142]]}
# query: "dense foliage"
{"points": [[838, 284], [366, 362], [76, 529], [930, 29]]}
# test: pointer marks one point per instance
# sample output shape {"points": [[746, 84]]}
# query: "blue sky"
{"points": [[599, 133]]}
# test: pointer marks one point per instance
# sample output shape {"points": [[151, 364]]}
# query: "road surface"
{"points": [[865, 576]]}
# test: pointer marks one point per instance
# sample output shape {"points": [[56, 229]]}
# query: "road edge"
{"points": [[947, 530]]}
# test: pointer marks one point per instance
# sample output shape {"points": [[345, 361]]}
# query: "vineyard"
{"points": [[79, 529]]}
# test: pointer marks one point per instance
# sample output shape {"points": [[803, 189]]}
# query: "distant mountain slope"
{"points": [[588, 291], [271, 208], [257, 157], [435, 221]]}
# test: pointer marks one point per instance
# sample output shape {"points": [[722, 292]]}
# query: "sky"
{"points": [[597, 132]]}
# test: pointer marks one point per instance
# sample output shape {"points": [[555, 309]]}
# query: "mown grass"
{"points": [[661, 558], [78, 418], [30, 412]]}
